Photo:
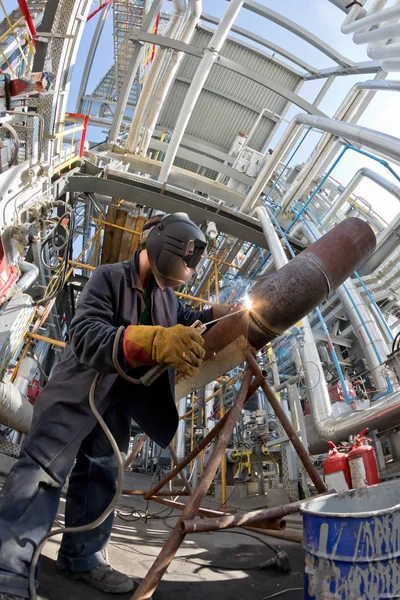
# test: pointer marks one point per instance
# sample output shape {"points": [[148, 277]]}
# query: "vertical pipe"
{"points": [[180, 436], [268, 168], [320, 403], [351, 186], [364, 325], [223, 458], [199, 79], [216, 278], [160, 60]]}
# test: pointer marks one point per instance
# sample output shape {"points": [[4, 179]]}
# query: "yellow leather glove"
{"points": [[179, 347]]}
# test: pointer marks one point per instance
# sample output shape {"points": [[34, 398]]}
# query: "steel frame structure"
{"points": [[265, 518]]}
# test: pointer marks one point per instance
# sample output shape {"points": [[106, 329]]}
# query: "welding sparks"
{"points": [[247, 303]]}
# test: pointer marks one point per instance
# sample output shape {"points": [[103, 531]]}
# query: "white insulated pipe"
{"points": [[180, 435], [360, 318], [376, 18], [384, 35], [358, 177], [30, 273], [375, 140], [15, 410], [169, 76], [210, 55], [161, 57], [347, 111]]}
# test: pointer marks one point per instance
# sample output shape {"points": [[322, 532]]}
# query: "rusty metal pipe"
{"points": [[241, 519], [255, 384], [282, 298], [135, 451]]}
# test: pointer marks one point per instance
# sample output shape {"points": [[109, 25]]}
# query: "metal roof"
{"points": [[230, 102]]}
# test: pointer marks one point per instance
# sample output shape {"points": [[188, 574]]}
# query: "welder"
{"points": [[137, 294]]}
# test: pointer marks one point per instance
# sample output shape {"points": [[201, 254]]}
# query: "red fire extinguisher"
{"points": [[363, 464], [336, 470]]}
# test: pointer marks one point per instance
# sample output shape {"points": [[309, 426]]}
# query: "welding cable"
{"points": [[212, 565], [116, 362], [108, 510], [56, 284], [53, 239], [120, 463]]}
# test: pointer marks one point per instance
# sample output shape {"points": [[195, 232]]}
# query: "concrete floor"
{"points": [[134, 545]]}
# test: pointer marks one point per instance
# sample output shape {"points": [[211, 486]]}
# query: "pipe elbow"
{"points": [[30, 273], [180, 6]]}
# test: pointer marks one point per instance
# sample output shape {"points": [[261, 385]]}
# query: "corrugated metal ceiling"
{"points": [[218, 119]]}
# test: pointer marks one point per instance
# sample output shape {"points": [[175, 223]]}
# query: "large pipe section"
{"points": [[210, 55], [388, 145], [282, 298]]}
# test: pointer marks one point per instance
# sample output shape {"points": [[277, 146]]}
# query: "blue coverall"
{"points": [[64, 429]]}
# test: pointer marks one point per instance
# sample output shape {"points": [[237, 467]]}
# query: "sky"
{"points": [[324, 20]]}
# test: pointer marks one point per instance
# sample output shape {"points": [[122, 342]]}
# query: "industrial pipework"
{"points": [[282, 298]]}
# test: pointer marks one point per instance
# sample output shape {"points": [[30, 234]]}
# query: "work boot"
{"points": [[104, 578]]}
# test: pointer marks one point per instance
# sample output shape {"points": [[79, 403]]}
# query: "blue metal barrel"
{"points": [[352, 544]]}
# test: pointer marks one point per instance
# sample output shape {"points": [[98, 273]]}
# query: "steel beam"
{"points": [[205, 161], [90, 56], [227, 63], [363, 68], [336, 339], [227, 220], [264, 42], [307, 36]]}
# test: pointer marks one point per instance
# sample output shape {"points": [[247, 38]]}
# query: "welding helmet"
{"points": [[176, 248]]}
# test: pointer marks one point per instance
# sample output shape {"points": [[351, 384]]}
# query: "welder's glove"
{"points": [[179, 347], [221, 310]]}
